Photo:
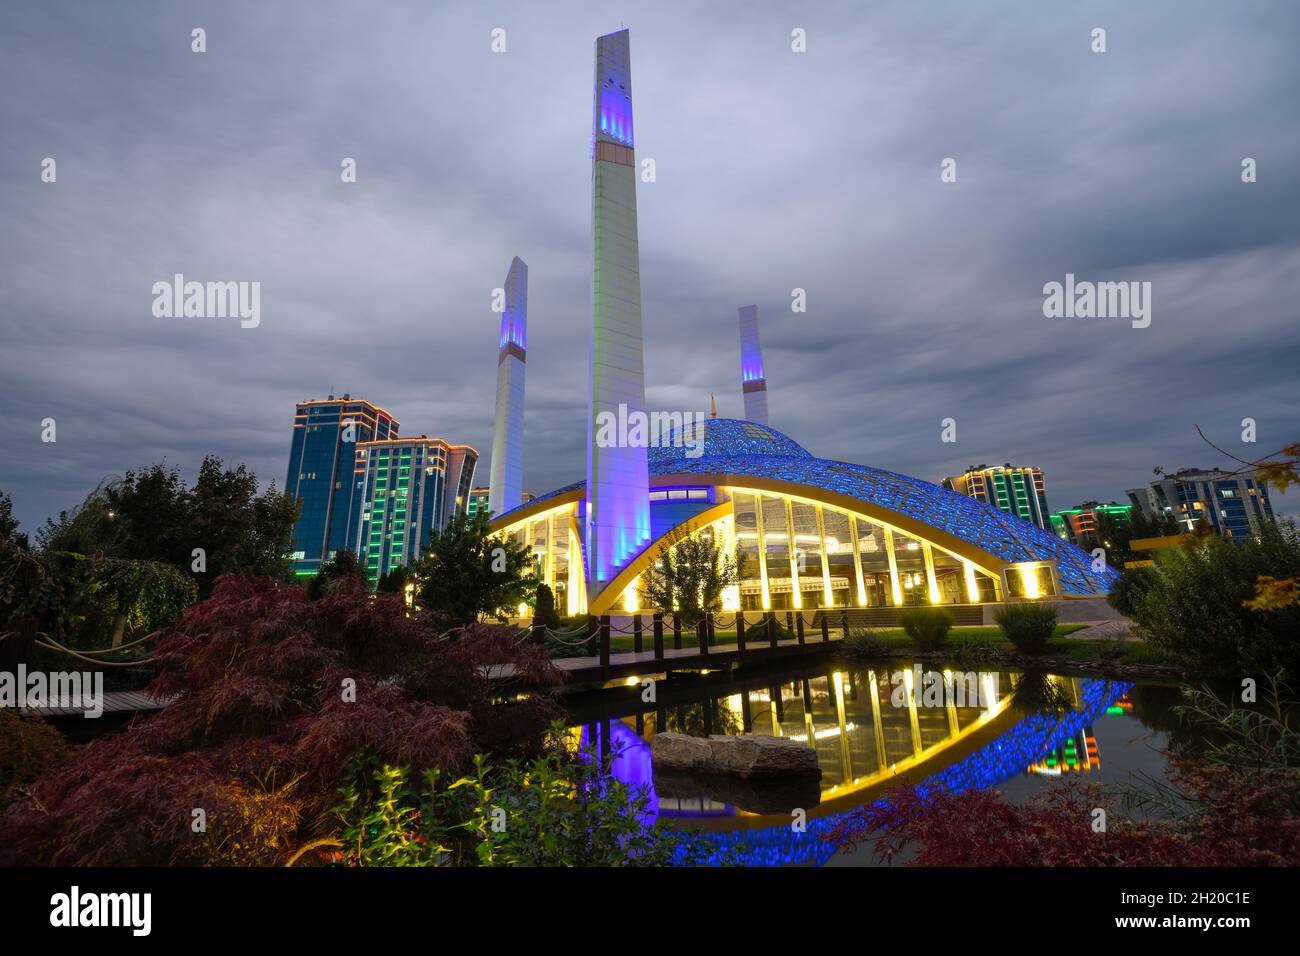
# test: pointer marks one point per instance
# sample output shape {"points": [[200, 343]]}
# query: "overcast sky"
{"points": [[775, 170]]}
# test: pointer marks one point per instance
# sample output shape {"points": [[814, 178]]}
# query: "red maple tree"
{"points": [[273, 693]]}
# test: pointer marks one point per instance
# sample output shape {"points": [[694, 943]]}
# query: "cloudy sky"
{"points": [[775, 170]]}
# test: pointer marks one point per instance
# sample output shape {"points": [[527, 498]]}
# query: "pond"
{"points": [[874, 726]]}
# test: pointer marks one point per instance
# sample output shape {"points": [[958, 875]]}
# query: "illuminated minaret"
{"points": [[753, 382], [506, 479], [618, 504]]}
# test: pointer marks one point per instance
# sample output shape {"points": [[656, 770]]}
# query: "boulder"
{"points": [[752, 755], [681, 752]]}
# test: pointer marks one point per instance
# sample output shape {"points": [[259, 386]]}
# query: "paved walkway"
{"points": [[115, 702]]}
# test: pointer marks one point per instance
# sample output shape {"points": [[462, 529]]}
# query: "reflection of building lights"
{"points": [[523, 609], [823, 734]]}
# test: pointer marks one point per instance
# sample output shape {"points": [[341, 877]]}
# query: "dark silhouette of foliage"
{"points": [[274, 694], [467, 574], [394, 582], [150, 515], [1197, 605], [1127, 592], [342, 572], [1114, 534], [28, 747], [544, 612], [8, 523]]}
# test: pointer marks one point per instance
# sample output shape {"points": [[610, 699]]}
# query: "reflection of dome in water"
{"points": [[1019, 744]]}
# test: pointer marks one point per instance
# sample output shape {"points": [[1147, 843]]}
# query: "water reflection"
{"points": [[871, 728]]}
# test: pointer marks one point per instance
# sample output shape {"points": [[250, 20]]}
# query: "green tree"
{"points": [[1198, 604], [1115, 534], [468, 573], [223, 524], [689, 574]]}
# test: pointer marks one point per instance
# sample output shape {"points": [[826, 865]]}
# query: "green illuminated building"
{"points": [[1017, 490], [1078, 525], [410, 487]]}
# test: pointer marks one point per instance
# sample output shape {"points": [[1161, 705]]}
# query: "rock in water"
{"points": [[681, 752], [753, 755]]}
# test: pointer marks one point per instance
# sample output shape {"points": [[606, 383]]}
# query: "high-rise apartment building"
{"points": [[1014, 489], [322, 454], [1078, 525], [405, 497], [1234, 505], [477, 503]]}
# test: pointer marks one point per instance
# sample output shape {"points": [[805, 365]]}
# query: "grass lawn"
{"points": [[1060, 646], [890, 636]]}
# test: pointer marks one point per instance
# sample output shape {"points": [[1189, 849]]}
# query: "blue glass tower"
{"points": [[322, 475]]}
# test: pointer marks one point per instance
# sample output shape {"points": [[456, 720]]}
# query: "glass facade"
{"points": [[793, 554], [1020, 491], [403, 500], [326, 435], [1235, 506]]}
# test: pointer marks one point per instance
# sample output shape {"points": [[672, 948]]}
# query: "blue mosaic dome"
{"points": [[739, 449], [723, 438]]}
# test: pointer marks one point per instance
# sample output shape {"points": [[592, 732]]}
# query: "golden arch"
{"points": [[974, 558]]}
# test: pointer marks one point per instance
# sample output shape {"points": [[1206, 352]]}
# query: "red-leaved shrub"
{"points": [[264, 721], [1228, 819]]}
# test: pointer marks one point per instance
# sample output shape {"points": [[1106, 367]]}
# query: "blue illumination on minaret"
{"points": [[617, 522], [753, 380], [506, 477]]}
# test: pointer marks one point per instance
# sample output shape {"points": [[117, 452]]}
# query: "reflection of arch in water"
{"points": [[997, 761]]}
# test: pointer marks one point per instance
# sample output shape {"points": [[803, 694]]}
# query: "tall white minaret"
{"points": [[506, 478], [618, 482], [753, 380]]}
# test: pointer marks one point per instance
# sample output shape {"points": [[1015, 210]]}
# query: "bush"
{"points": [[1028, 626], [1194, 608], [28, 747], [559, 808], [1126, 593], [544, 611], [927, 626], [276, 694], [862, 643], [972, 649]]}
